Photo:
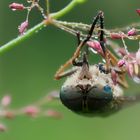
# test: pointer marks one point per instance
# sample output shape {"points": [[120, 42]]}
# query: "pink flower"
{"points": [[138, 11], [16, 6], [6, 100], [132, 32], [22, 28], [31, 111]]}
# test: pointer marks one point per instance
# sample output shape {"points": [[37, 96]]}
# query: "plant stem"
{"points": [[8, 46], [13, 43], [65, 10]]}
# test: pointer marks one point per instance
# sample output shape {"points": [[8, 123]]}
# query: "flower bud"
{"points": [[131, 32], [16, 6], [138, 57], [121, 63], [96, 46], [2, 128], [31, 111], [6, 100], [138, 11], [117, 35], [53, 114], [22, 28], [122, 51], [9, 115], [130, 69], [53, 95]]}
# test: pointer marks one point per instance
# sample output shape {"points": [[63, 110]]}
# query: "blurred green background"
{"points": [[26, 72]]}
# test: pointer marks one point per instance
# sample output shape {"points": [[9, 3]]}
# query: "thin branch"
{"points": [[13, 43], [66, 9], [21, 38]]}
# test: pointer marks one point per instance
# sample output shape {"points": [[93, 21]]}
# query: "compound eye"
{"points": [[108, 94], [107, 89], [98, 92], [71, 97], [99, 97]]}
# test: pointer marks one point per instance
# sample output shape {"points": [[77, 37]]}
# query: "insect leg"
{"points": [[128, 100], [110, 58], [69, 62], [80, 46], [66, 73], [102, 32], [78, 37], [74, 62], [102, 43]]}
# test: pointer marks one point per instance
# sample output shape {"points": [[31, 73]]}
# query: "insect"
{"points": [[89, 89]]}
